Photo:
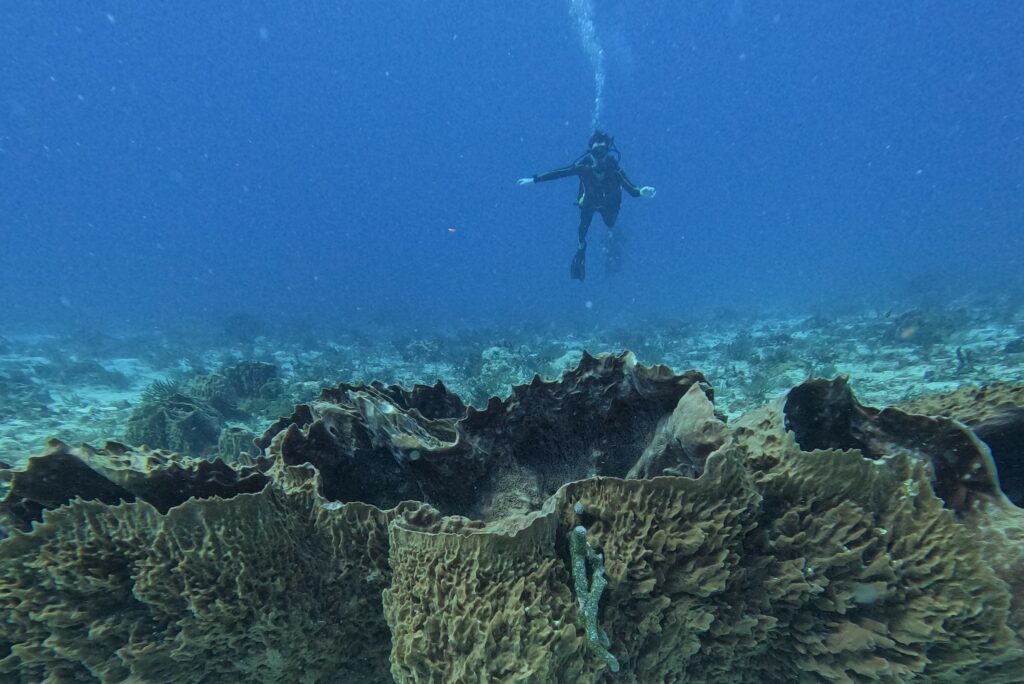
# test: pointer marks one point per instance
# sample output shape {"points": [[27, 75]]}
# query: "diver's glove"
{"points": [[648, 191], [525, 181]]}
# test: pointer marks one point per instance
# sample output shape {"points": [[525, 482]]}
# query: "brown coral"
{"points": [[995, 413], [824, 414], [813, 546], [482, 605], [374, 444], [267, 587], [970, 404], [116, 473]]}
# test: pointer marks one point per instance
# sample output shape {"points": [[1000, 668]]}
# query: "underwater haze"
{"points": [[356, 162], [310, 371]]}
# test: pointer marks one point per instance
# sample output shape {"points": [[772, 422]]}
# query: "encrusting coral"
{"points": [[397, 535]]}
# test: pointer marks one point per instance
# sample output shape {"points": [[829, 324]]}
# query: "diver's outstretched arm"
{"points": [[565, 172], [525, 181]]}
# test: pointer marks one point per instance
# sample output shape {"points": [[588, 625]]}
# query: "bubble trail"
{"points": [[583, 12]]}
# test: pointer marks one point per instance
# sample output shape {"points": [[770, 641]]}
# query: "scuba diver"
{"points": [[601, 184]]}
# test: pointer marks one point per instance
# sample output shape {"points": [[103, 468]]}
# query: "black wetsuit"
{"points": [[601, 185]]}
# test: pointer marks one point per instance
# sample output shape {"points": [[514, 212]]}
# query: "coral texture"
{"points": [[266, 587], [384, 445], [117, 473], [474, 604], [812, 540], [995, 413], [177, 422]]}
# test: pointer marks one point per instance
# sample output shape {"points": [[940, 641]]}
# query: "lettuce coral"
{"points": [[397, 535]]}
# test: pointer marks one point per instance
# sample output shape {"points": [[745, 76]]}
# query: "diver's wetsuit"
{"points": [[601, 185]]}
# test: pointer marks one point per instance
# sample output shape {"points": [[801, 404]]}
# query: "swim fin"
{"points": [[578, 270]]}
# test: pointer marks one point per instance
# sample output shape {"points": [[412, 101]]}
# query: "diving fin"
{"points": [[578, 270]]}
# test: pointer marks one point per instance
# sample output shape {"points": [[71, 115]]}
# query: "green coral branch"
{"points": [[589, 588]]}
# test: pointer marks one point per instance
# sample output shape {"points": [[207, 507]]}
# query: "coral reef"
{"points": [[50, 391], [239, 390], [384, 445], [192, 417], [169, 419], [684, 439], [824, 414], [995, 413], [24, 396], [608, 520], [264, 587], [469, 602], [235, 443], [118, 473]]}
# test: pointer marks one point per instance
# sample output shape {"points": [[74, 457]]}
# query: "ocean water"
{"points": [[167, 162], [330, 189]]}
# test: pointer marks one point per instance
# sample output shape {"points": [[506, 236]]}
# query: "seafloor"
{"points": [[86, 386]]}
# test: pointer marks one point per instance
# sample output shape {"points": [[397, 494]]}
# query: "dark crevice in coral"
{"points": [[382, 445], [1003, 432], [117, 473], [824, 414]]}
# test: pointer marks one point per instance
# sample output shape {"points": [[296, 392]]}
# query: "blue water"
{"points": [[356, 162]]}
